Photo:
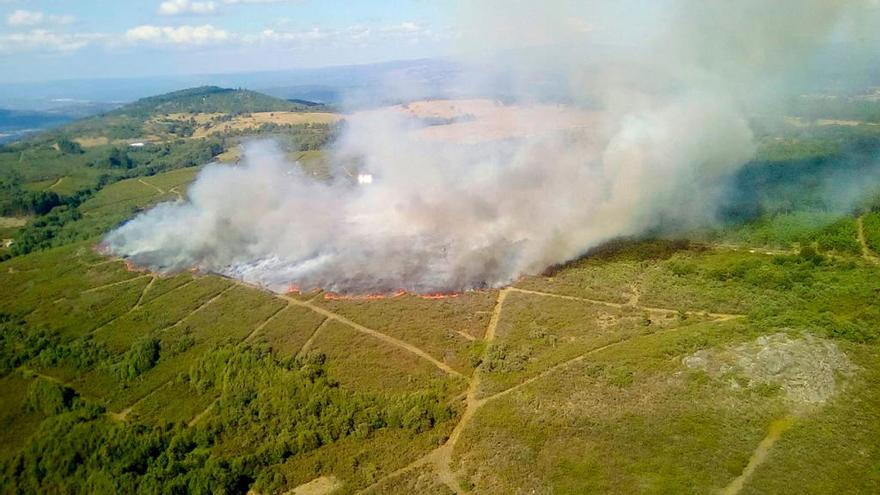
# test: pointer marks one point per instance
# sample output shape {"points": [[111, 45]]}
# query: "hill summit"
{"points": [[210, 99]]}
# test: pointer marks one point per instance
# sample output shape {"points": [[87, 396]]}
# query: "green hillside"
{"points": [[209, 99], [47, 179], [744, 358]]}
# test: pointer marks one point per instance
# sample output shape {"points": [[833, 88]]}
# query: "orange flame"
{"points": [[332, 296], [439, 295], [129, 266]]}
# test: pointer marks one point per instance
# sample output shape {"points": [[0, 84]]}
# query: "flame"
{"points": [[439, 295], [129, 266], [332, 296]]}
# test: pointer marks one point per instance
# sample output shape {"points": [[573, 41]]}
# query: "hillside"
{"points": [[59, 169], [744, 359], [210, 99]]}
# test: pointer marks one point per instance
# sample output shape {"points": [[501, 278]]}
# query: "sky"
{"points": [[45, 40], [82, 39]]}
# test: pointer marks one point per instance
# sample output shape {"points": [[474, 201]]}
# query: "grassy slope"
{"points": [[627, 418]]}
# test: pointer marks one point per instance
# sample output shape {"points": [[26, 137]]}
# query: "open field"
{"points": [[8, 226], [476, 121], [209, 124]]}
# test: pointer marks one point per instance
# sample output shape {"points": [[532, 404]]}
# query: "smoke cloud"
{"points": [[655, 124]]}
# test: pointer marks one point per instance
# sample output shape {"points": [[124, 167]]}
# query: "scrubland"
{"points": [[577, 380]]}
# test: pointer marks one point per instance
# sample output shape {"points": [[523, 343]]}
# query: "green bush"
{"points": [[48, 397], [268, 411], [20, 345], [140, 358], [69, 147]]}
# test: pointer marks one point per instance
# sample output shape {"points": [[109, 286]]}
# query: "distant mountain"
{"points": [[211, 99], [137, 119], [328, 85]]}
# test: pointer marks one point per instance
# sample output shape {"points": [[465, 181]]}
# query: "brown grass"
{"points": [[208, 123]]}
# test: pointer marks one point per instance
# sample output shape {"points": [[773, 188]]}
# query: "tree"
{"points": [[119, 159], [69, 147]]}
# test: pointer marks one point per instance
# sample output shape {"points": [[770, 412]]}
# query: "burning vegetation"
{"points": [[452, 196]]}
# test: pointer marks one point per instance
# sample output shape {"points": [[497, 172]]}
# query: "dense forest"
{"points": [[281, 407]]}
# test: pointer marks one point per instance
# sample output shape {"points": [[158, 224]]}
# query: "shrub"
{"points": [[140, 358], [48, 397]]}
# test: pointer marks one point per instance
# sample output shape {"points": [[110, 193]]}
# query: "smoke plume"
{"points": [[654, 125]]}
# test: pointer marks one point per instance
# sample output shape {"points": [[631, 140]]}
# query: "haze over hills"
{"points": [[324, 85], [47, 104]]}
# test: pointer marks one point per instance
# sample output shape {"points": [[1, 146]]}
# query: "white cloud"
{"points": [[41, 39], [180, 7], [314, 34], [23, 17], [177, 7], [181, 35], [233, 2], [353, 35]]}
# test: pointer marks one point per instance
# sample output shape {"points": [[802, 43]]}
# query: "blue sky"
{"points": [[58, 39], [83, 39]]}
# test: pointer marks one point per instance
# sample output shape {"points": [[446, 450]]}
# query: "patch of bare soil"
{"points": [[806, 369], [12, 222], [479, 121], [318, 486]]}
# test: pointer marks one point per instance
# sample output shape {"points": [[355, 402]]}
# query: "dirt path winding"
{"points": [[199, 308], [441, 457], [123, 414], [114, 284], [863, 241], [198, 417], [311, 340], [256, 331], [143, 294], [56, 184], [628, 304], [157, 188], [375, 333], [777, 428], [136, 306], [177, 192]]}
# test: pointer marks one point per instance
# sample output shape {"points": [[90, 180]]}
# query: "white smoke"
{"points": [[465, 210]]}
